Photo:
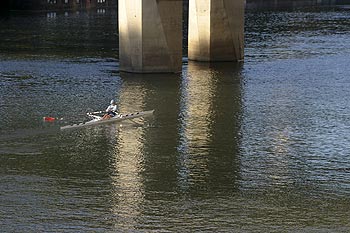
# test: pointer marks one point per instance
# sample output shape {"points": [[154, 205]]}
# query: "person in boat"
{"points": [[111, 111]]}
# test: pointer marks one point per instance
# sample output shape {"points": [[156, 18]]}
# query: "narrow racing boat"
{"points": [[98, 119]]}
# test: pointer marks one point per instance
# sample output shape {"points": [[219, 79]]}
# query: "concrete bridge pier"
{"points": [[150, 36], [216, 30]]}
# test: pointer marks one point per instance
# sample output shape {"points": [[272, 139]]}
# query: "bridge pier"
{"points": [[216, 30], [150, 36]]}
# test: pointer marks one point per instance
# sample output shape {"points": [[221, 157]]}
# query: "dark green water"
{"points": [[261, 146]]}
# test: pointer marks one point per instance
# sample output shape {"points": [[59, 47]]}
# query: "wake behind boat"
{"points": [[98, 120]]}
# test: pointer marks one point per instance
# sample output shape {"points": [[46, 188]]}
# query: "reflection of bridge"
{"points": [[195, 145]]}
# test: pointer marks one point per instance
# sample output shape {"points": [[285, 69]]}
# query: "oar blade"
{"points": [[49, 119]]}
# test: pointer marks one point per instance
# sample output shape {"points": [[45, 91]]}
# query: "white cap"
{"points": [[112, 102]]}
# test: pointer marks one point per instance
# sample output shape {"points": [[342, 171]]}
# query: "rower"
{"points": [[111, 111]]}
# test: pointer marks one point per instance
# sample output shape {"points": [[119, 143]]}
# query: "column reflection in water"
{"points": [[144, 153], [210, 127], [128, 163]]}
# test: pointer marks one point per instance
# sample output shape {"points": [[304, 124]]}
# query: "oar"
{"points": [[98, 112], [51, 119]]}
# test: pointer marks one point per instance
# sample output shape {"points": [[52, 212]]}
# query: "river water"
{"points": [[253, 147]]}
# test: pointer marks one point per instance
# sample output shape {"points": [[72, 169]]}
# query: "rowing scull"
{"points": [[98, 120]]}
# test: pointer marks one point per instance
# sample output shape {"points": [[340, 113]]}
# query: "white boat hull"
{"points": [[118, 118]]}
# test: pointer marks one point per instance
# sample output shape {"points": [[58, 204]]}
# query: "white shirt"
{"points": [[112, 108]]}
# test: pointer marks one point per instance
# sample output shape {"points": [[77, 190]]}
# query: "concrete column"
{"points": [[150, 35], [216, 30]]}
